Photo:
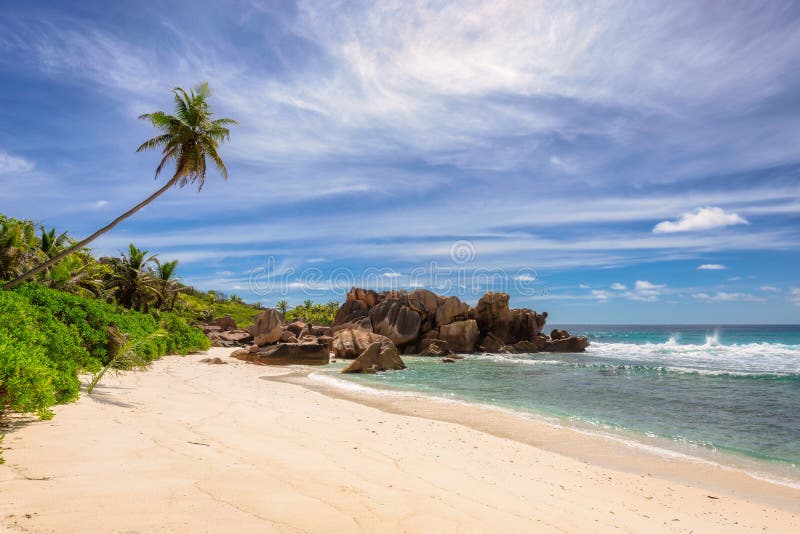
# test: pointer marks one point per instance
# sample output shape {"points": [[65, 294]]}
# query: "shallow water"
{"points": [[728, 388]]}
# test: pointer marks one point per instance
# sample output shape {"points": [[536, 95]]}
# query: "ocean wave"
{"points": [[640, 368], [507, 358], [709, 358]]}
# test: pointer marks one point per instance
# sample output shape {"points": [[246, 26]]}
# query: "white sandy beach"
{"points": [[192, 447]]}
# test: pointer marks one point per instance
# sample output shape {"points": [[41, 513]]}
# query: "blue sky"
{"points": [[587, 157]]}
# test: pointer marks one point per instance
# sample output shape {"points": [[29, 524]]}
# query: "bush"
{"points": [[183, 338], [49, 336], [39, 357]]}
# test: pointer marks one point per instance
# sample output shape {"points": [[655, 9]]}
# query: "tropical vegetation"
{"points": [[77, 315], [65, 312], [188, 139]]}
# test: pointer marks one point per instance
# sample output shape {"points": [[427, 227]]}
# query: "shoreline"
{"points": [[609, 450], [193, 447], [772, 471]]}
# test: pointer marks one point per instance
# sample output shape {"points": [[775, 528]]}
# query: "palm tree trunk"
{"points": [[77, 246]]}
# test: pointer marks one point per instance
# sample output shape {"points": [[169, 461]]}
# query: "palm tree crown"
{"points": [[189, 137]]}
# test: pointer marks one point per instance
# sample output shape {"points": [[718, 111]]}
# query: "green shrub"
{"points": [[39, 357], [183, 338], [48, 337]]}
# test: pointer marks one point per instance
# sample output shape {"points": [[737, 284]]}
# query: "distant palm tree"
{"points": [[17, 241], [132, 283], [51, 244], [167, 282], [189, 137], [282, 306]]}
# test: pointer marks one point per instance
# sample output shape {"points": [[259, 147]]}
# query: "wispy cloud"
{"points": [[794, 295], [10, 165], [711, 267], [554, 135], [723, 296], [701, 219]]}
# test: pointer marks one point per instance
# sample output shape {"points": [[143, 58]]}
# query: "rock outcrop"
{"points": [[267, 328], [227, 338], [494, 316], [461, 336], [435, 347], [567, 344], [413, 320], [450, 310], [286, 354], [395, 320], [349, 343], [224, 323], [377, 357], [416, 322]]}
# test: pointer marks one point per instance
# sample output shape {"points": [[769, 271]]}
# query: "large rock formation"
{"points": [[413, 319], [225, 323], [286, 354], [395, 320], [377, 357], [451, 309], [493, 315], [428, 301], [226, 335], [350, 342], [461, 336], [267, 328], [416, 322]]}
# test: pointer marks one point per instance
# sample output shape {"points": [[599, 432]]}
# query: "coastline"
{"points": [[188, 446], [613, 450]]}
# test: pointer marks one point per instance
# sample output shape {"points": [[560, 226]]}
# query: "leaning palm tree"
{"points": [[187, 139]]}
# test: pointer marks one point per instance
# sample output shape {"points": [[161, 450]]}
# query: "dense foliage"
{"points": [[49, 336], [80, 310], [319, 314]]}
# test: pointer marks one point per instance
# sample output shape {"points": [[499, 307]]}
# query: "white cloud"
{"points": [[722, 296], [794, 295], [101, 203], [583, 286], [644, 285], [711, 267], [701, 219], [13, 164], [770, 289], [734, 278], [600, 294], [616, 286], [524, 278], [645, 291]]}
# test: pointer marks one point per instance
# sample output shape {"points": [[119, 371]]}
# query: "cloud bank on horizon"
{"points": [[629, 163]]}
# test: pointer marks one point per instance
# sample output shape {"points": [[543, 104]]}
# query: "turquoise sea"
{"points": [[733, 389]]}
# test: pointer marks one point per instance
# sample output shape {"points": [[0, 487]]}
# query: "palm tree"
{"points": [[282, 306], [51, 244], [167, 282], [132, 283], [17, 244], [189, 137]]}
